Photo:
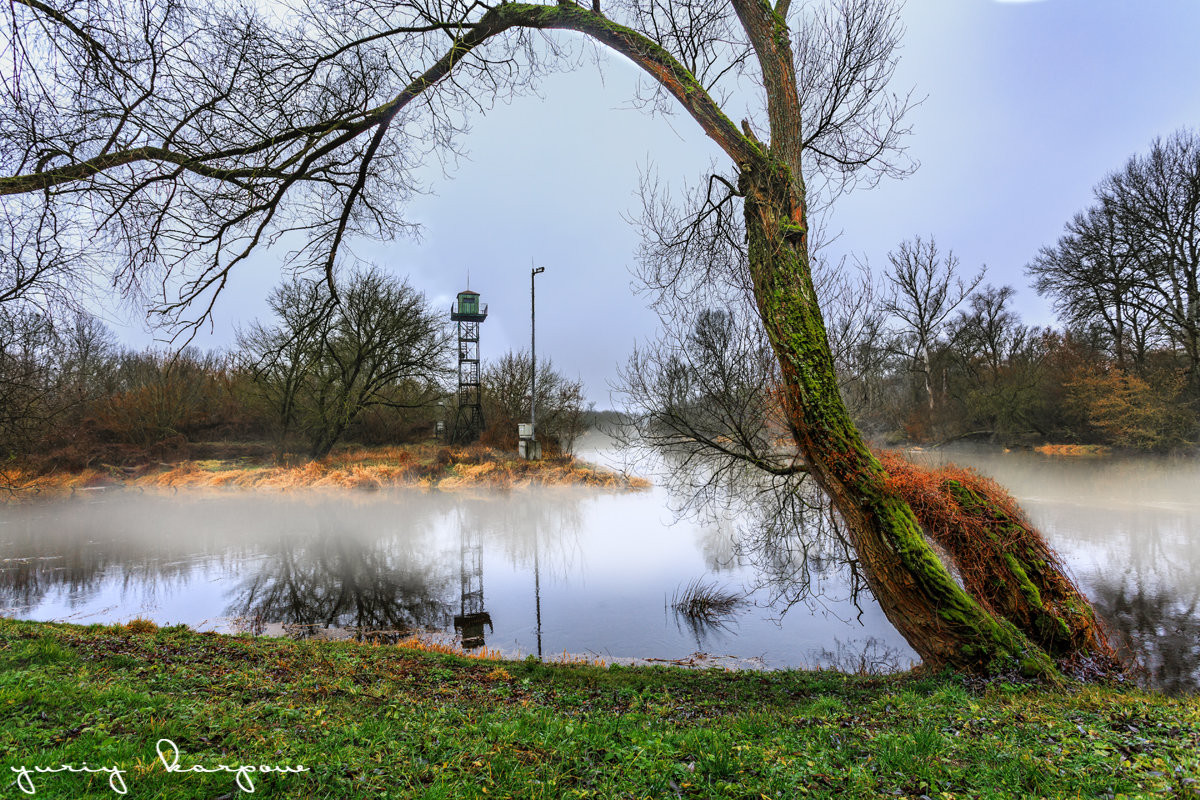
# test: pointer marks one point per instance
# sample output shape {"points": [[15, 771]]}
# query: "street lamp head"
{"points": [[538, 270]]}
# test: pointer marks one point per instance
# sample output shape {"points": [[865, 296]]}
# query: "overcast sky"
{"points": [[1029, 104]]}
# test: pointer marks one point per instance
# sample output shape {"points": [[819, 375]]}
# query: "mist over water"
{"points": [[573, 570], [1128, 528], [598, 567]]}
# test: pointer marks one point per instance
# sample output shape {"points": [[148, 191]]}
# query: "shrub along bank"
{"points": [[386, 721]]}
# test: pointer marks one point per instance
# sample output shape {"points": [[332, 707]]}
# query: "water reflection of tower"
{"points": [[471, 619]]}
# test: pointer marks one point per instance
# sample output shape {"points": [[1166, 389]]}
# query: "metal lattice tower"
{"points": [[468, 419]]}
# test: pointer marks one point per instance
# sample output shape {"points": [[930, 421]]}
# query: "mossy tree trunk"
{"points": [[1002, 560], [944, 624]]}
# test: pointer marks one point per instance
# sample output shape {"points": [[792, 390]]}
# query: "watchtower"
{"points": [[468, 420]]}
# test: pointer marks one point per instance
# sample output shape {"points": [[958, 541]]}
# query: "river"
{"points": [[580, 572]]}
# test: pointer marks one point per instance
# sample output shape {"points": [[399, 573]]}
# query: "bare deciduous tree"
{"points": [[28, 403], [926, 289], [1157, 198], [1130, 263], [1000, 357], [1092, 275], [179, 139], [324, 363], [281, 357], [560, 402]]}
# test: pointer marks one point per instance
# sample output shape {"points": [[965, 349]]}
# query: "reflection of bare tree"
{"points": [[1159, 628], [25, 581], [328, 562], [860, 657], [343, 577], [716, 542], [795, 543], [42, 552], [409, 561], [780, 525]]}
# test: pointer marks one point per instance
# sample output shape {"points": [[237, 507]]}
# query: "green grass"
{"points": [[380, 721]]}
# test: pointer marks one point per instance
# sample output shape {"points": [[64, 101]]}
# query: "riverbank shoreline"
{"points": [[380, 720], [420, 466]]}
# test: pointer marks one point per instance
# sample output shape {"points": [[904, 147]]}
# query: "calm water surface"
{"points": [[571, 570], [1129, 530]]}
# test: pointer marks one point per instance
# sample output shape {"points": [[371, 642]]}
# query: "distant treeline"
{"points": [[940, 356], [376, 366], [924, 353]]}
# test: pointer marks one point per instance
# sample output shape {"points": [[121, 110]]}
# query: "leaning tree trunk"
{"points": [[1002, 560], [941, 621]]}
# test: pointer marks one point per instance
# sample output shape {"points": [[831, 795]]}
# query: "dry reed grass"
{"points": [[1075, 450], [577, 659], [24, 484], [360, 468], [705, 600], [141, 625], [437, 644], [429, 645]]}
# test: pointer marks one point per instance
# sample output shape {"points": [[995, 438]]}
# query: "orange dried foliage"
{"points": [[426, 645], [1074, 450], [393, 456], [141, 625], [576, 659], [25, 484], [986, 535], [927, 491]]}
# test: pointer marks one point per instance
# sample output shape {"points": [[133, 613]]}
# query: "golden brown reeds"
{"points": [[427, 645], [361, 468], [141, 625], [1076, 450]]}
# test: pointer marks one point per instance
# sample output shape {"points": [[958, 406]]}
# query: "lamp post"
{"points": [[533, 273]]}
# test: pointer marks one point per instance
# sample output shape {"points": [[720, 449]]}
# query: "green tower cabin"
{"points": [[468, 420]]}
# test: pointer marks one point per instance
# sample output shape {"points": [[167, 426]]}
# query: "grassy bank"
{"points": [[383, 721], [418, 466]]}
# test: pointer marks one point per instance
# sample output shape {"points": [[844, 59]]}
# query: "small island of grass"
{"points": [[421, 466]]}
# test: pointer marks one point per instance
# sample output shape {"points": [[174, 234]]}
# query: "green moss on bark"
{"points": [[920, 597]]}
